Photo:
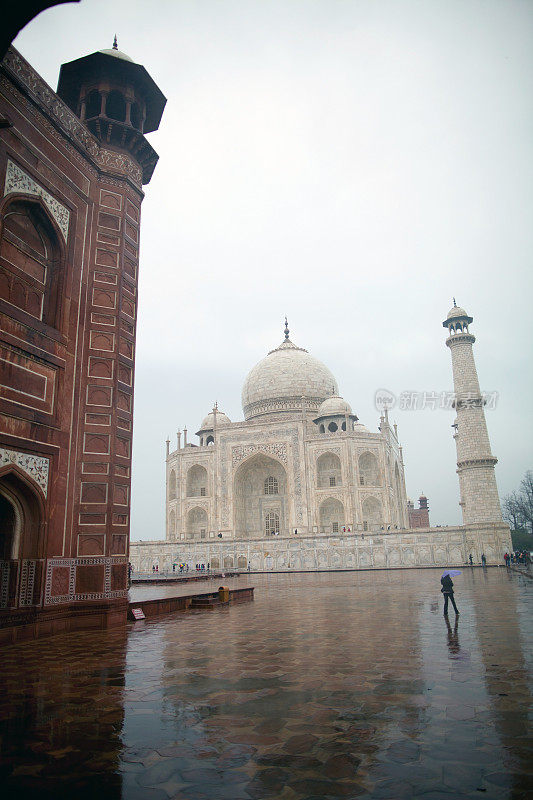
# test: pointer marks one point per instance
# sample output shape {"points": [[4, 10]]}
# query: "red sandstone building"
{"points": [[72, 166], [418, 517]]}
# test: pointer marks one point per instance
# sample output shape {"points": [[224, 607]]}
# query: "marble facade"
{"points": [[300, 461], [430, 547]]}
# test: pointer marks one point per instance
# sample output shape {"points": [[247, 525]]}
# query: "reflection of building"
{"points": [[300, 484], [72, 166], [418, 517], [300, 460]]}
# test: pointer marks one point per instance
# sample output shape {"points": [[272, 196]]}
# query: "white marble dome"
{"points": [[278, 382], [116, 54], [209, 421], [334, 406], [455, 312]]}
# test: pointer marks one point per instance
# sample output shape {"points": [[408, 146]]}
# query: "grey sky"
{"points": [[350, 164]]}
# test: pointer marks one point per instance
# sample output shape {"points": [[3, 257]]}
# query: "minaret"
{"points": [[475, 463]]}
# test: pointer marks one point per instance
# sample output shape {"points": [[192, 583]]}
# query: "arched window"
{"points": [[322, 429], [369, 474], [343, 426], [331, 516], [172, 485], [209, 440], [328, 470], [271, 523], [115, 107], [372, 514], [271, 486], [196, 523], [197, 481], [172, 525], [30, 261]]}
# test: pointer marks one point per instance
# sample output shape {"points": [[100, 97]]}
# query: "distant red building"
{"points": [[418, 517], [72, 165]]}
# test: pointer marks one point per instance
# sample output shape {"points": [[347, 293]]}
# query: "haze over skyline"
{"points": [[353, 165]]}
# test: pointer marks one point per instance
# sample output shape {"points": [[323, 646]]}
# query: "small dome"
{"points": [[334, 406], [117, 54], [360, 427], [455, 312], [209, 422]]}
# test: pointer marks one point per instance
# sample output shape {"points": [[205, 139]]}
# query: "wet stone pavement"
{"points": [[347, 685]]}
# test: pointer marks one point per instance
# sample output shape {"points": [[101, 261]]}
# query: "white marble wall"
{"points": [[426, 547]]}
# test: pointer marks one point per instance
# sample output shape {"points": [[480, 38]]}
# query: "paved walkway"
{"points": [[347, 685]]}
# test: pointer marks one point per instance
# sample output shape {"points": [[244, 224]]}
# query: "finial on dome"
{"points": [[454, 303], [286, 330], [115, 43]]}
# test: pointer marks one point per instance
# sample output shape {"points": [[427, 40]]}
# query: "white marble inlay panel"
{"points": [[20, 182], [37, 467]]}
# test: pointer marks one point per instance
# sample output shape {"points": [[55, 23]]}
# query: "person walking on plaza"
{"points": [[507, 559], [483, 560], [447, 590], [471, 559]]}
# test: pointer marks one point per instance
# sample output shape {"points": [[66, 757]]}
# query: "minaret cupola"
{"points": [[457, 320], [117, 100]]}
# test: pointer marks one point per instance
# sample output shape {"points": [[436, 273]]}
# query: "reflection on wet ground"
{"points": [[348, 685]]}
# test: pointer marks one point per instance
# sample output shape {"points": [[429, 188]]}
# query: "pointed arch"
{"points": [[197, 523], [372, 514], [399, 496], [328, 470], [32, 258], [24, 531], [197, 481], [172, 485], [369, 472], [253, 508], [172, 524], [331, 515]]}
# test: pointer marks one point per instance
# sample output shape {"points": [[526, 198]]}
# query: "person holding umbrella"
{"points": [[447, 589]]}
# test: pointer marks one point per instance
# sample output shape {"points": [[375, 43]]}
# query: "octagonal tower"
{"points": [[479, 500]]}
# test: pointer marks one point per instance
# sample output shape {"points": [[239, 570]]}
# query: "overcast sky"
{"points": [[353, 164]]}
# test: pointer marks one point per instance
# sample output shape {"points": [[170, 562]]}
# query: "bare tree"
{"points": [[525, 505], [517, 507], [510, 510]]}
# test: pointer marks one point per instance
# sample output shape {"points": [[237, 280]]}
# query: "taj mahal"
{"points": [[302, 484]]}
